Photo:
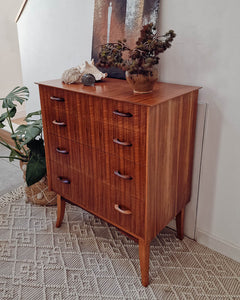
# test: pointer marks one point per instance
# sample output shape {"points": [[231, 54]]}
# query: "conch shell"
{"points": [[75, 74], [71, 75], [89, 68]]}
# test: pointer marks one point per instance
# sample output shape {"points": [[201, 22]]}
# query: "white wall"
{"points": [[10, 66], [206, 53], [55, 35]]}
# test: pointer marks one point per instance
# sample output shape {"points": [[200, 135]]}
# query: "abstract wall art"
{"points": [[118, 19]]}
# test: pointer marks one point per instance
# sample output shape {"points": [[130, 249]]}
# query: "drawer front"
{"points": [[54, 99], [71, 184], [81, 106], [96, 122], [124, 143], [120, 173], [119, 113], [101, 136], [120, 209], [117, 207]]}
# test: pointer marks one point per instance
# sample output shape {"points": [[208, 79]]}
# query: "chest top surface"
{"points": [[117, 89]]}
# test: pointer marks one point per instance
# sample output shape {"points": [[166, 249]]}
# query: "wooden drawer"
{"points": [[80, 106], [71, 184], [104, 137], [120, 173], [116, 207]]}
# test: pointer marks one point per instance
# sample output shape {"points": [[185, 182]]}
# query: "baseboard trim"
{"points": [[219, 245]]}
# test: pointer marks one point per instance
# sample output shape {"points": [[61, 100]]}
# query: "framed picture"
{"points": [[118, 19]]}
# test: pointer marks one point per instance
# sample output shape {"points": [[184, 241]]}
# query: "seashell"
{"points": [[89, 68], [71, 75]]}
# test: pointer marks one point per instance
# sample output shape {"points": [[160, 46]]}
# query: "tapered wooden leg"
{"points": [[60, 210], [180, 224], [144, 250]]}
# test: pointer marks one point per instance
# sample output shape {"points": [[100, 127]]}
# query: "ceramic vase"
{"points": [[142, 84]]}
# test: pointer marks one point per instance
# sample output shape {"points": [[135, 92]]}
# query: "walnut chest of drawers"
{"points": [[127, 158]]}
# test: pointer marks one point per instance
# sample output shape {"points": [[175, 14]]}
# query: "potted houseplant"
{"points": [[138, 62], [28, 147]]}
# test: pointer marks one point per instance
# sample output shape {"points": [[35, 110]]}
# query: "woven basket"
{"points": [[38, 193]]}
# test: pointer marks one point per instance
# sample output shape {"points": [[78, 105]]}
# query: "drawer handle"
{"points": [[62, 151], [64, 180], [55, 122], [57, 99], [121, 114], [122, 143], [121, 210], [127, 177]]}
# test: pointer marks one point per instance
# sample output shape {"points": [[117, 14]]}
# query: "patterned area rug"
{"points": [[88, 259]]}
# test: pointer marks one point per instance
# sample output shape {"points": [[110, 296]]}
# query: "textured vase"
{"points": [[38, 192], [142, 84]]}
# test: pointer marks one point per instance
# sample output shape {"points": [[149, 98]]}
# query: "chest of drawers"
{"points": [[125, 158]]}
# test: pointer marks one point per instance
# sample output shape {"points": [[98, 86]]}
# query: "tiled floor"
{"points": [[10, 173]]}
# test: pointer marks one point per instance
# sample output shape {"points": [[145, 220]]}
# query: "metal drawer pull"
{"points": [[64, 180], [62, 151], [127, 177], [122, 143], [57, 99], [121, 210], [121, 114], [55, 122]]}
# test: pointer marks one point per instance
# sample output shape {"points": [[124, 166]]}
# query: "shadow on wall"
{"points": [[209, 169]]}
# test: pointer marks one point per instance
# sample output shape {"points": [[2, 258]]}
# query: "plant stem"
{"points": [[4, 143], [11, 127], [14, 158], [9, 121], [25, 151]]}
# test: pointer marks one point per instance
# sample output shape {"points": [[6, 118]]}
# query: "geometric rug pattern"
{"points": [[86, 258]]}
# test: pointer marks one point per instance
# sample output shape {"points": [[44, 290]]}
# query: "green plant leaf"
{"points": [[30, 131], [36, 169], [37, 147], [8, 103], [12, 112], [35, 113], [27, 133], [19, 94], [4, 115]]}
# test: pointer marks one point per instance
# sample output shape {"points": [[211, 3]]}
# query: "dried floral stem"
{"points": [[140, 59]]}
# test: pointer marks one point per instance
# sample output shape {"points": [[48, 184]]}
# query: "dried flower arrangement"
{"points": [[140, 59]]}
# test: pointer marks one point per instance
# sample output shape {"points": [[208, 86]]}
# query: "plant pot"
{"points": [[142, 84], [38, 193]]}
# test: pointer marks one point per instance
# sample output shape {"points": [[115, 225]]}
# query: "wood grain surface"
{"points": [[170, 135], [126, 158], [119, 90]]}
